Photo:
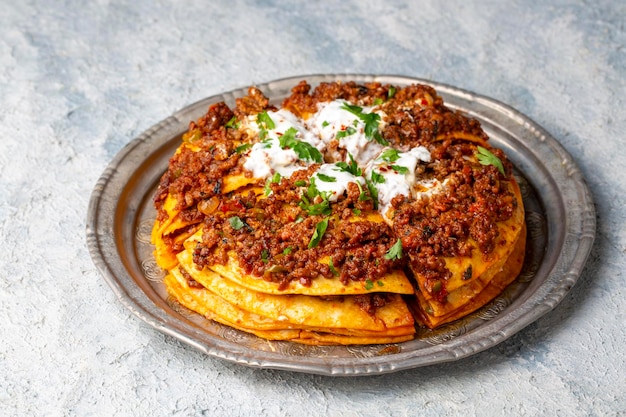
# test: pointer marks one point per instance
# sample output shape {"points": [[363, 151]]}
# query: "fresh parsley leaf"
{"points": [[377, 178], [307, 198], [236, 223], [325, 123], [332, 267], [369, 284], [325, 178], [300, 183], [395, 252], [487, 158], [350, 167], [390, 155], [243, 147], [267, 190], [233, 123], [304, 150], [373, 193], [400, 169], [349, 131], [363, 196], [265, 121], [320, 229], [371, 121]]}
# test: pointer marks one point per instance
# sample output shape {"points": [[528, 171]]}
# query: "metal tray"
{"points": [[559, 214]]}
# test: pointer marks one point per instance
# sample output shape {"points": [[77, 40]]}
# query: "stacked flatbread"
{"points": [[215, 200]]}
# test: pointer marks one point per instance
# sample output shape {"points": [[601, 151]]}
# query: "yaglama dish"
{"points": [[349, 215]]}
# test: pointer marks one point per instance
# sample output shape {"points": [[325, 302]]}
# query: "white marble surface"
{"points": [[78, 80]]}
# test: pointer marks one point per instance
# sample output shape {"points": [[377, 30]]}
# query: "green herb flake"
{"points": [[380, 283], [233, 123], [307, 197], [369, 284], [236, 223], [370, 120], [332, 267], [400, 169], [349, 131], [390, 155], [351, 167], [485, 157], [377, 178], [320, 229], [325, 123], [304, 150], [265, 121], [391, 92], [265, 255], [325, 178], [242, 148], [287, 250], [395, 252]]}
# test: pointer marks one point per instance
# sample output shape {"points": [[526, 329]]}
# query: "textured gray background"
{"points": [[78, 80]]}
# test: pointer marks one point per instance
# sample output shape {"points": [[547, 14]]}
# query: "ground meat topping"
{"points": [[292, 233]]}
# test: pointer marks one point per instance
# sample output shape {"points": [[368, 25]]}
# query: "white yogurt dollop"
{"points": [[333, 122], [267, 157]]}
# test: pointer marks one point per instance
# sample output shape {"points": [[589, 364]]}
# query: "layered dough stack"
{"points": [[343, 217]]}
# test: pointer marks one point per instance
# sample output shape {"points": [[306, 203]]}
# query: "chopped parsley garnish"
{"points": [[390, 155], [236, 223], [320, 229], [300, 183], [265, 123], [400, 169], [363, 196], [287, 250], [349, 131], [233, 123], [391, 92], [304, 150], [369, 284], [371, 121], [350, 167], [487, 158], [275, 179], [325, 178], [265, 255], [242, 148], [307, 198], [332, 267], [325, 123], [377, 178], [395, 252]]}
